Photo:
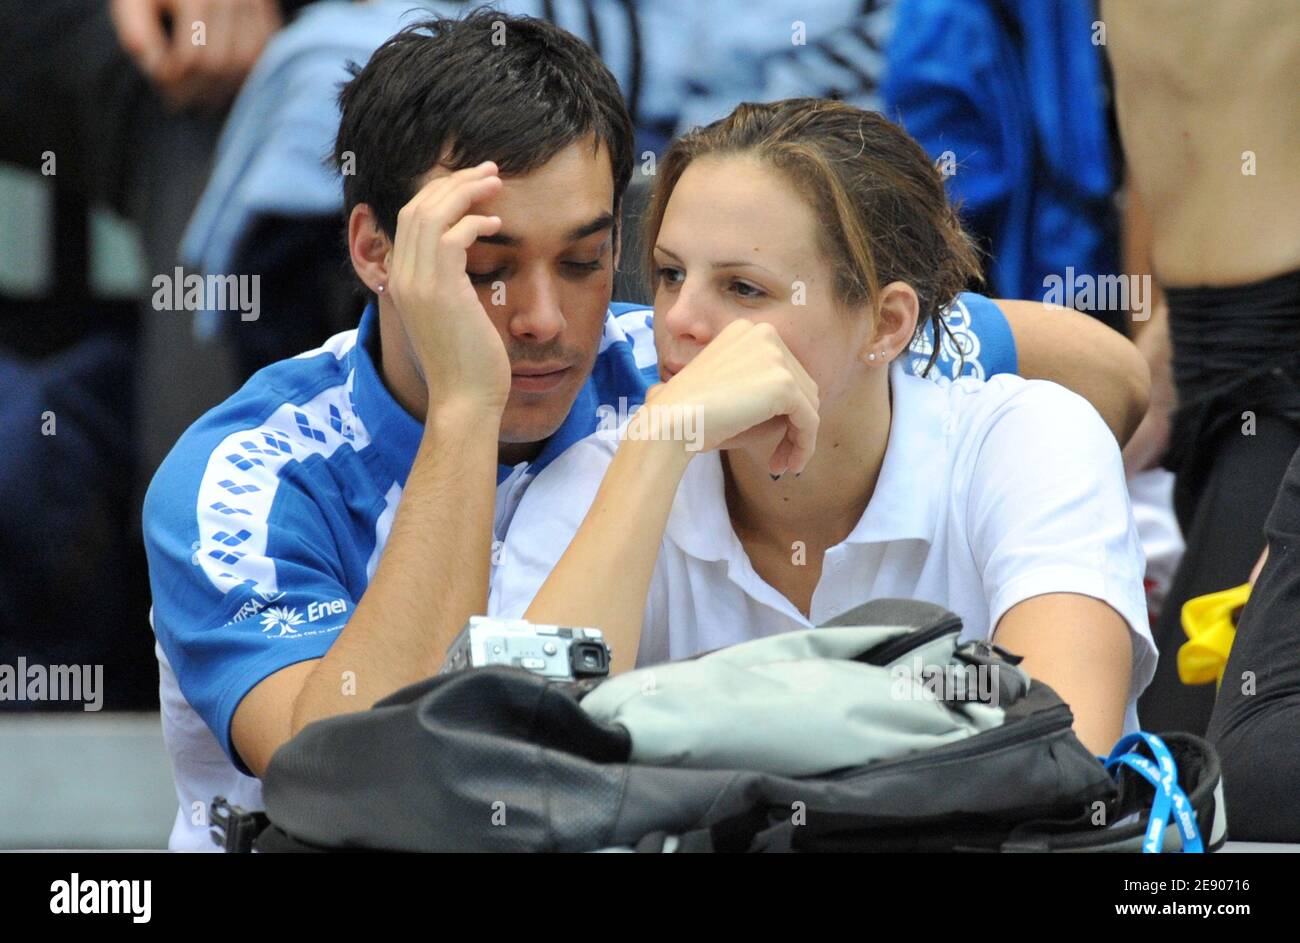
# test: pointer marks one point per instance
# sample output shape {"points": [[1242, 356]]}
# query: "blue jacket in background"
{"points": [[1016, 90]]}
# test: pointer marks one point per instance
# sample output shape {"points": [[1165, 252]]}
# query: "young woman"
{"points": [[788, 469]]}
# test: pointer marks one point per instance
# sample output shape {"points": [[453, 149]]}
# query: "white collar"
{"points": [[913, 481]]}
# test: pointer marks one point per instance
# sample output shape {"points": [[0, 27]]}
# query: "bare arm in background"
{"points": [[1149, 442], [1083, 355]]}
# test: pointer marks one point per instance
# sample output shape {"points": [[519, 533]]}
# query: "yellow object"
{"points": [[1210, 624]]}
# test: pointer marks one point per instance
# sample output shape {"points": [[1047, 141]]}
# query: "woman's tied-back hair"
{"points": [[882, 212]]}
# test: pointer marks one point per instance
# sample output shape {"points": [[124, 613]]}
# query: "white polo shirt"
{"points": [[991, 492]]}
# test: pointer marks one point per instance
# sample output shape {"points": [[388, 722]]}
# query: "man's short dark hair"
{"points": [[511, 89]]}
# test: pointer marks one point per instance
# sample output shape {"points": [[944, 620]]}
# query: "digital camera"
{"points": [[552, 651]]}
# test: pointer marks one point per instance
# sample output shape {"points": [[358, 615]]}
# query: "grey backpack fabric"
{"points": [[699, 756], [798, 704]]}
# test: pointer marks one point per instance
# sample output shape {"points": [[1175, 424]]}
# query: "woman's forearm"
{"points": [[604, 577], [742, 379]]}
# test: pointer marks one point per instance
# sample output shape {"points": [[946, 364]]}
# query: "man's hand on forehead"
{"points": [[458, 351]]}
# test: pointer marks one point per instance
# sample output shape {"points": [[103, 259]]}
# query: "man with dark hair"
{"points": [[265, 525], [316, 542]]}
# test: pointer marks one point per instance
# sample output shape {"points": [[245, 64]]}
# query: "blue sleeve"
{"points": [[244, 571], [978, 343], [637, 323]]}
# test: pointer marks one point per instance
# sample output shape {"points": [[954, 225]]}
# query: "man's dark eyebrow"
{"points": [[603, 221]]}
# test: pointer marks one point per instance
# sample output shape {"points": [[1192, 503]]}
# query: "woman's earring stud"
{"points": [[871, 356], [380, 289]]}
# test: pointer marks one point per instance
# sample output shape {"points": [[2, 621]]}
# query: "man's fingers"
{"points": [[424, 219], [455, 241], [218, 50], [209, 75], [184, 52], [470, 228], [263, 18], [421, 223], [455, 201], [140, 32], [432, 191], [177, 75], [427, 254]]}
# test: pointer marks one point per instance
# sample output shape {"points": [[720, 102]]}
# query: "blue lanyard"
{"points": [[1163, 775]]}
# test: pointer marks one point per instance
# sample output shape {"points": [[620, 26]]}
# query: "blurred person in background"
{"points": [[1206, 102], [113, 103]]}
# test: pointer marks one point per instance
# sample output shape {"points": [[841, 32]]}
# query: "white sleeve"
{"points": [[1048, 512], [544, 523]]}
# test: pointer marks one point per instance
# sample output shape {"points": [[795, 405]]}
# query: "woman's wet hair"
{"points": [[882, 212]]}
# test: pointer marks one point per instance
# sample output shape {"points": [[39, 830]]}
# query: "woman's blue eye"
{"points": [[746, 290]]}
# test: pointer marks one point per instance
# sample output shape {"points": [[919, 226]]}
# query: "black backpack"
{"points": [[500, 759]]}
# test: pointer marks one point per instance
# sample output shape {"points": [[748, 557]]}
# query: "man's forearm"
{"points": [[432, 576]]}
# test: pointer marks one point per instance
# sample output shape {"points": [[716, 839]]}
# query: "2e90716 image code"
{"points": [[1183, 884]]}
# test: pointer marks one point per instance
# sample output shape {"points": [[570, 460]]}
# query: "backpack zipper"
{"points": [[1057, 717], [882, 654]]}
